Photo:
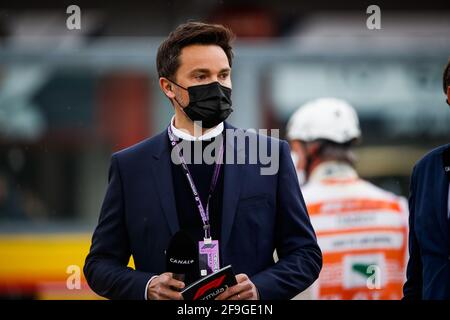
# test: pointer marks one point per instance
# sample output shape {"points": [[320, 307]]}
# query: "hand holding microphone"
{"points": [[181, 267], [165, 287]]}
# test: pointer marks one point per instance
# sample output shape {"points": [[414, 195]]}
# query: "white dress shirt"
{"points": [[181, 134]]}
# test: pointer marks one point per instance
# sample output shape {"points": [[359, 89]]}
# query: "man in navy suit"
{"points": [[153, 191], [428, 273]]}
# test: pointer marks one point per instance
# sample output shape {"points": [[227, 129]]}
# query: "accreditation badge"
{"points": [[208, 256]]}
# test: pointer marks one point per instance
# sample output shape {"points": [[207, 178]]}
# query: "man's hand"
{"points": [[243, 290], [162, 288]]}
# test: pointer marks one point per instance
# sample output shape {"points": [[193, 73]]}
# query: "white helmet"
{"points": [[325, 118]]}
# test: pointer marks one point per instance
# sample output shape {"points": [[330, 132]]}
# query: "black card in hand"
{"points": [[209, 287]]}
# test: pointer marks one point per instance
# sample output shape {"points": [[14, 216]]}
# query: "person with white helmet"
{"points": [[361, 229]]}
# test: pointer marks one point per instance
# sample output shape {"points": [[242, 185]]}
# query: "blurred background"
{"points": [[69, 98]]}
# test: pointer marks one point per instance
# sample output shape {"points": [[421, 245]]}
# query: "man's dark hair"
{"points": [[167, 59], [446, 77]]}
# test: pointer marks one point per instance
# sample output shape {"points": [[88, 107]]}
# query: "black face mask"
{"points": [[209, 103]]}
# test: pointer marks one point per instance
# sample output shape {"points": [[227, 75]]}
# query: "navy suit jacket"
{"points": [[260, 213], [428, 272]]}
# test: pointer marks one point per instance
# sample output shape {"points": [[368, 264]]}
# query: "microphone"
{"points": [[182, 257]]}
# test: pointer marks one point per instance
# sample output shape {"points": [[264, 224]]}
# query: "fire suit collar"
{"points": [[333, 170]]}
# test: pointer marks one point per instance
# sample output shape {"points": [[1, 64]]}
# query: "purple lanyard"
{"points": [[204, 214]]}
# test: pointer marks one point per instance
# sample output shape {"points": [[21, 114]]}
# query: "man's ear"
{"points": [[295, 145], [167, 87]]}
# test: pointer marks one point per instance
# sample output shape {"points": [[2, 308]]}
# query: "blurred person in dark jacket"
{"points": [[428, 272]]}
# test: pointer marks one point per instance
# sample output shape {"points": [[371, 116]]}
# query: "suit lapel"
{"points": [[233, 178], [162, 176]]}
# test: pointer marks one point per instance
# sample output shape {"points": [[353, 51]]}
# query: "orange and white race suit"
{"points": [[362, 232]]}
